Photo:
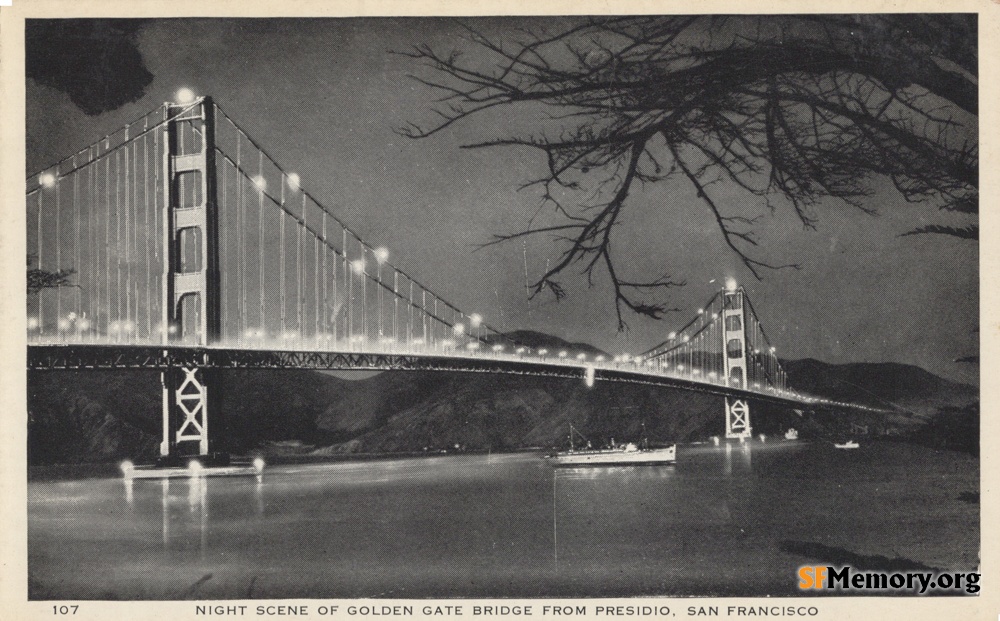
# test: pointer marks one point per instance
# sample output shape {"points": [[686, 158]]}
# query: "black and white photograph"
{"points": [[366, 312]]}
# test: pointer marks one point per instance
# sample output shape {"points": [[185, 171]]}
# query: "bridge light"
{"points": [[418, 341], [127, 467], [498, 348], [184, 95], [731, 285], [293, 181], [542, 352], [581, 356], [258, 465], [83, 325], [687, 338], [194, 467], [701, 311], [599, 358], [447, 343], [260, 182], [358, 266], [63, 325], [563, 354], [475, 319], [696, 371], [381, 255], [672, 336], [715, 315], [680, 367], [473, 345], [47, 180], [772, 350], [520, 350], [712, 375], [458, 328]]}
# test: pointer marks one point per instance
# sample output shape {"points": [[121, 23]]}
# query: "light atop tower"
{"points": [[185, 95], [731, 285]]}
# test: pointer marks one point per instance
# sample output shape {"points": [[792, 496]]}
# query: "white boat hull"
{"points": [[649, 457], [847, 445]]}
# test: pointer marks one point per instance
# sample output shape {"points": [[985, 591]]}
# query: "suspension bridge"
{"points": [[188, 249]]}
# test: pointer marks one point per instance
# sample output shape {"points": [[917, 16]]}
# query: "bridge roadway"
{"points": [[101, 356]]}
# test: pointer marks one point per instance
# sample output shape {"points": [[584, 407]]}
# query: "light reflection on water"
{"points": [[500, 525]]}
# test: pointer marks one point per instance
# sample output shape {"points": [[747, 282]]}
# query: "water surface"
{"points": [[736, 522]]}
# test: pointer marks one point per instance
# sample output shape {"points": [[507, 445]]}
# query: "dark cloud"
{"points": [[96, 62]]}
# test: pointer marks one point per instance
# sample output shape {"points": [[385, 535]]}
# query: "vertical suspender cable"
{"points": [[39, 246], [135, 232], [76, 238], [316, 291], [107, 238], [241, 236], [281, 260], [58, 252], [364, 293], [128, 211], [118, 236], [224, 262], [145, 228], [298, 268], [260, 236], [349, 294], [335, 311], [326, 301], [157, 216], [93, 297]]}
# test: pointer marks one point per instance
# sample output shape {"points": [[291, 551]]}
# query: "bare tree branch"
{"points": [[805, 108]]}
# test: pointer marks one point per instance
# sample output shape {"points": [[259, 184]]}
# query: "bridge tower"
{"points": [[191, 288], [735, 355]]}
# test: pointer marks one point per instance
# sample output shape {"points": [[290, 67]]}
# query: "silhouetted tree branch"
{"points": [[39, 279], [804, 108]]}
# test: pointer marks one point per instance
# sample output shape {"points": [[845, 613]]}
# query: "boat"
{"points": [[628, 454], [850, 444]]}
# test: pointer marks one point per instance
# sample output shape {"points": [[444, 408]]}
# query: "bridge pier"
{"points": [[188, 393], [738, 418]]}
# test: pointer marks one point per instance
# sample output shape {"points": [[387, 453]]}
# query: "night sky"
{"points": [[324, 96]]}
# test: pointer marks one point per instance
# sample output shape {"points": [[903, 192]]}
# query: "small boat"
{"points": [[850, 444], [624, 455]]}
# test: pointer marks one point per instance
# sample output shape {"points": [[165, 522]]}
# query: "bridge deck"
{"points": [[54, 357]]}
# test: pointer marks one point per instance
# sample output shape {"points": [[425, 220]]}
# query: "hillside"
{"points": [[884, 385]]}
